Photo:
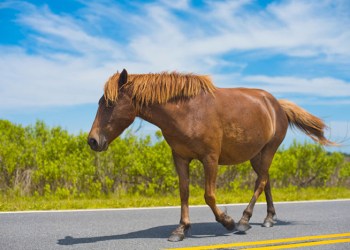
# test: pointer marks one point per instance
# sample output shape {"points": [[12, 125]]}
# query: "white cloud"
{"points": [[179, 4], [321, 87], [297, 28], [66, 34], [294, 29], [36, 81], [72, 55]]}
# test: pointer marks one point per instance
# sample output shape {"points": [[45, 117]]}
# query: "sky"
{"points": [[55, 56]]}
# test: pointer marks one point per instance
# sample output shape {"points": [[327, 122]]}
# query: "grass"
{"points": [[15, 203]]}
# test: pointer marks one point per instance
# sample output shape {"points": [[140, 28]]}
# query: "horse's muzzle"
{"points": [[99, 144]]}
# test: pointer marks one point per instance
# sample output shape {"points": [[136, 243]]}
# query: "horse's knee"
{"points": [[209, 199]]}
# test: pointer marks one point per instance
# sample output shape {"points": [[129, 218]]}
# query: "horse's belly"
{"points": [[236, 155], [243, 146]]}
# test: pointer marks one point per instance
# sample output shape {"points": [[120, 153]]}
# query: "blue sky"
{"points": [[57, 55]]}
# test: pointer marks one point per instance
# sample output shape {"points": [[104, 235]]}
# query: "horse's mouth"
{"points": [[101, 148], [96, 146]]}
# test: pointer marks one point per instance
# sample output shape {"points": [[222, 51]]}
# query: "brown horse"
{"points": [[199, 121]]}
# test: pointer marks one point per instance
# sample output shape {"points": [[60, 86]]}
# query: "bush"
{"points": [[42, 161], [304, 165]]}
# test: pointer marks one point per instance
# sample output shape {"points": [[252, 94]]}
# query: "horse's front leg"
{"points": [[182, 168], [210, 170]]}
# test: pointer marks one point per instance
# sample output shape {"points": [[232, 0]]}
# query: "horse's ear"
{"points": [[123, 78]]}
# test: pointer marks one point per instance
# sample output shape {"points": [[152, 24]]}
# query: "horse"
{"points": [[217, 126]]}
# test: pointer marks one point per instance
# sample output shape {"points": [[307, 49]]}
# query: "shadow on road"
{"points": [[198, 230]]}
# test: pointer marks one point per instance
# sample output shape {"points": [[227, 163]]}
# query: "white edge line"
{"points": [[164, 207]]}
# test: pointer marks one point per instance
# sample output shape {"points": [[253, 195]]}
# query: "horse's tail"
{"points": [[311, 125]]}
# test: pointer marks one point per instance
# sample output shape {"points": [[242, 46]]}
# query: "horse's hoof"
{"points": [[243, 226], [230, 226], [268, 222], [179, 233], [176, 237], [227, 222]]}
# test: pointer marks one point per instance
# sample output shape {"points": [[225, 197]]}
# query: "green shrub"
{"points": [[42, 161], [304, 165]]}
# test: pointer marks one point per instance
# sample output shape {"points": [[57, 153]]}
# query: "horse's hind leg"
{"points": [[210, 170], [271, 213], [261, 164], [182, 168]]}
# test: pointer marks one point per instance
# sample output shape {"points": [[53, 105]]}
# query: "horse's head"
{"points": [[112, 118]]}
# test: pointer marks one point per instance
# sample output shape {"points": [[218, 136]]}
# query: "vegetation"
{"points": [[13, 203], [39, 163]]}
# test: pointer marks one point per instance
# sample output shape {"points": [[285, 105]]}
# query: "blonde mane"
{"points": [[159, 88]]}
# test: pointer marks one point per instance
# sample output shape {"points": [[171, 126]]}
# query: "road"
{"points": [[150, 228]]}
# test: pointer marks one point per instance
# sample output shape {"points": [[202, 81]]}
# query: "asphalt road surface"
{"points": [[326, 225]]}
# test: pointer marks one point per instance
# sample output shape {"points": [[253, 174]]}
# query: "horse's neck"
{"points": [[160, 115]]}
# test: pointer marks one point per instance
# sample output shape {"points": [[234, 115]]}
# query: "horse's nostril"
{"points": [[93, 143]]}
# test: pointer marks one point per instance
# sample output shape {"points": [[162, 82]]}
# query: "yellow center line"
{"points": [[303, 244], [321, 238]]}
